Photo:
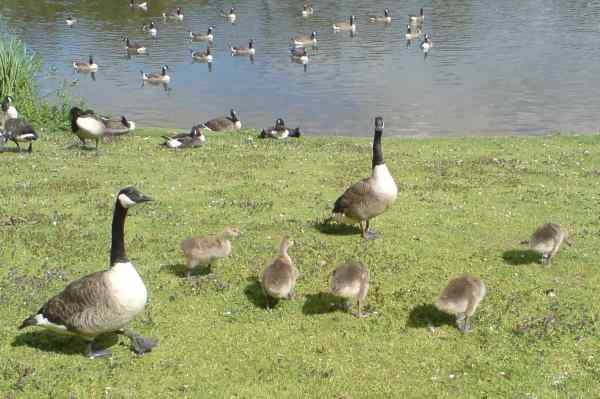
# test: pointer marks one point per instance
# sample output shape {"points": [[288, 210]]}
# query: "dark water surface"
{"points": [[497, 67]]}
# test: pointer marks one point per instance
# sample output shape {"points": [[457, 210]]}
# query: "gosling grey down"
{"points": [[203, 250], [279, 278], [461, 297], [351, 280], [546, 240]]}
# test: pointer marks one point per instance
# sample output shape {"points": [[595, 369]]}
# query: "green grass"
{"points": [[464, 206]]}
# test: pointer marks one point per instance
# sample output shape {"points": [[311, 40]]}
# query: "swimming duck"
{"points": [[86, 125], [370, 197], [205, 250], [305, 40], [18, 131], [299, 56], [142, 6], [70, 21], [137, 48], [117, 127], [307, 10], [90, 66], [426, 44], [151, 29], [243, 50], [202, 37], [226, 123], [161, 77], [279, 278], [346, 26], [279, 131], [386, 17], [230, 15], [195, 138], [461, 298], [417, 19], [105, 301], [546, 240], [351, 280], [412, 33], [203, 56], [9, 110]]}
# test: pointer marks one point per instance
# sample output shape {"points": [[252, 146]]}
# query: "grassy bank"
{"points": [[464, 206]]}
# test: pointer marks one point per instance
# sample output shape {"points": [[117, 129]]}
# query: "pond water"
{"points": [[497, 67]]}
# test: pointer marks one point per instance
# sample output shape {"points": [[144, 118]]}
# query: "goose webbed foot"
{"points": [[139, 343], [361, 314], [370, 235], [98, 353], [546, 260], [462, 322]]}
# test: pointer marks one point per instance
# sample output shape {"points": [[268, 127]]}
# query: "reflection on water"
{"points": [[496, 67]]}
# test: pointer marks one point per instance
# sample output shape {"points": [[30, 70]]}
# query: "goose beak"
{"points": [[144, 198]]}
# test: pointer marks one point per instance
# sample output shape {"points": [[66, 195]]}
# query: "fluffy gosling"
{"points": [[546, 240], [279, 278], [203, 250], [351, 280], [461, 298]]}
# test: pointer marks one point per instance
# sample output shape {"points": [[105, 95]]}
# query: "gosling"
{"points": [[546, 240], [203, 250], [351, 280], [461, 298], [279, 278]]}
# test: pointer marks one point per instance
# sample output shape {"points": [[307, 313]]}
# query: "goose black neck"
{"points": [[377, 153], [117, 249]]}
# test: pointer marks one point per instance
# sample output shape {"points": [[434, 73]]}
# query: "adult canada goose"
{"points": [[136, 48], [117, 127], [279, 131], [461, 298], [299, 56], [305, 40], [546, 240], [105, 301], [142, 6], [86, 125], [70, 21], [307, 10], [426, 44], [230, 15], [89, 66], [195, 138], [351, 280], [417, 19], [279, 278], [203, 56], [386, 17], [18, 131], [346, 26], [151, 29], [177, 14], [412, 33], [370, 197], [8, 109], [202, 37], [161, 77], [205, 250], [225, 123], [243, 50]]}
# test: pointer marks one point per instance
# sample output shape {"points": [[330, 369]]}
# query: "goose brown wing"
{"points": [[218, 124], [354, 198]]}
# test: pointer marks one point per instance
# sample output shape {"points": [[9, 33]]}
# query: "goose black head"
{"points": [[6, 103], [91, 59], [130, 196], [386, 12], [233, 115], [210, 29], [232, 10], [279, 124], [352, 19], [164, 69], [313, 35], [124, 121], [75, 113], [379, 124], [421, 12], [196, 131], [178, 10], [251, 43]]}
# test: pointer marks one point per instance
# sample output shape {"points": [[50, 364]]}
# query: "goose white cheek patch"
{"points": [[125, 201]]}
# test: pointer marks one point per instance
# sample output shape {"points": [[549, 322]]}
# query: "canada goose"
{"points": [[104, 301], [177, 14], [86, 125], [161, 77], [203, 250], [426, 44], [18, 131], [279, 278], [137, 48], [230, 15], [279, 131], [142, 6], [546, 240], [9, 110], [70, 21], [202, 37], [299, 56], [117, 127], [307, 10], [243, 50], [203, 56], [225, 123], [461, 297], [90, 66], [370, 197], [195, 138], [417, 19], [305, 40], [151, 29], [386, 17], [346, 26], [351, 280], [412, 33]]}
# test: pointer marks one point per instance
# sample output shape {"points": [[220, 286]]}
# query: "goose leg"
{"points": [[462, 322], [97, 138], [18, 146], [29, 149], [139, 344], [360, 313], [366, 234], [94, 354], [546, 259], [268, 301]]}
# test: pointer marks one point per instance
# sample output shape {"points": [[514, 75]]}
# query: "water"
{"points": [[497, 67]]}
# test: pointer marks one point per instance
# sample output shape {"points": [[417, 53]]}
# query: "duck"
{"points": [[230, 15], [205, 250], [279, 277], [305, 40], [279, 131], [18, 130], [243, 50], [89, 66], [546, 240], [386, 17], [195, 138], [105, 301], [412, 34], [417, 19], [461, 297], [307, 10], [161, 77], [202, 37], [142, 6], [137, 48], [9, 110], [202, 56], [426, 44], [117, 127], [86, 125], [226, 123], [299, 56], [351, 280], [346, 26], [70, 21], [371, 196], [151, 29]]}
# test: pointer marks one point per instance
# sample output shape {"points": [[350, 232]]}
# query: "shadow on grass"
{"points": [[69, 345], [254, 293], [180, 270], [520, 257], [337, 228], [12, 149], [423, 315], [319, 303], [81, 146]]}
